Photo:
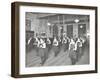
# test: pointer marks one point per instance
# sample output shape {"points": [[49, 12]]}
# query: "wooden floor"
{"points": [[32, 60]]}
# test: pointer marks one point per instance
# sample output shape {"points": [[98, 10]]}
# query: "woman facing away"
{"points": [[55, 46], [78, 48], [72, 51], [65, 42]]}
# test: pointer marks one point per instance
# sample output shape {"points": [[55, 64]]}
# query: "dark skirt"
{"points": [[43, 53], [55, 50], [72, 55], [49, 47], [79, 53]]}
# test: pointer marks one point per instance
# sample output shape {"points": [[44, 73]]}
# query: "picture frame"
{"points": [[21, 11]]}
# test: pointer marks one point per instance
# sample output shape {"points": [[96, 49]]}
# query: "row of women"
{"points": [[45, 46]]}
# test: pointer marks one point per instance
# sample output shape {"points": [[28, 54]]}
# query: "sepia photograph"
{"points": [[57, 39]]}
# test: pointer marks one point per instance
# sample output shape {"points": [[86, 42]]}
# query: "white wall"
{"points": [[5, 40], [34, 21]]}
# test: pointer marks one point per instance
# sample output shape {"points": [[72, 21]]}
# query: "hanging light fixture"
{"points": [[76, 20], [48, 24], [81, 26]]}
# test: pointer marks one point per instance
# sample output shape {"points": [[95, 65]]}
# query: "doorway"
{"points": [[81, 29], [70, 30]]}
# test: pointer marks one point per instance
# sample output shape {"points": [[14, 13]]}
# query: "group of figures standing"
{"points": [[74, 46]]}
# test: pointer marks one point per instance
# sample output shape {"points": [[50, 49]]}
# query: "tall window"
{"points": [[70, 30], [81, 29], [55, 30]]}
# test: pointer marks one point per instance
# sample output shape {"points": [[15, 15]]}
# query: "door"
{"points": [[81, 29], [55, 30], [70, 30]]}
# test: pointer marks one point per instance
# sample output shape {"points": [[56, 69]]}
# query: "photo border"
{"points": [[15, 38]]}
